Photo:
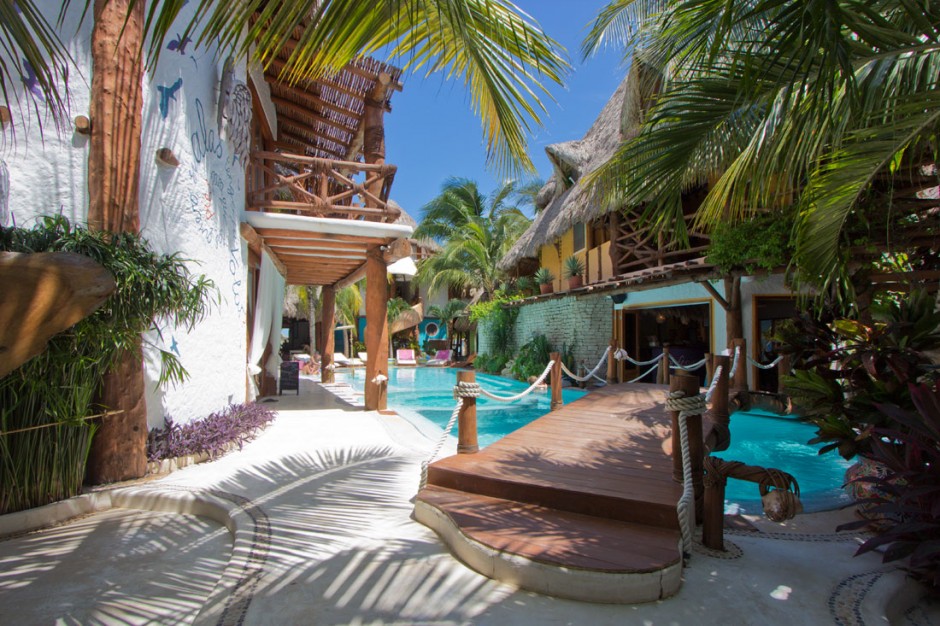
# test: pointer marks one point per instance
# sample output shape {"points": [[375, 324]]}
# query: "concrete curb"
{"points": [[552, 580], [55, 513]]}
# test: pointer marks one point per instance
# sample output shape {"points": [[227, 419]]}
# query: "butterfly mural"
{"points": [[31, 82], [167, 94]]}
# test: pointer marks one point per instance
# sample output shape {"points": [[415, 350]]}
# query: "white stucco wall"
{"points": [[193, 209]]}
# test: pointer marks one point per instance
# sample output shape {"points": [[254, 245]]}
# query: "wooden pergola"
{"points": [[318, 197]]}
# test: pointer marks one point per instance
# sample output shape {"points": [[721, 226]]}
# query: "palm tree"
{"points": [[348, 305], [448, 313], [825, 105], [475, 231], [498, 52]]}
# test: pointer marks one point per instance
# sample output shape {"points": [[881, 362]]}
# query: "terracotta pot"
{"points": [[575, 282], [546, 288]]}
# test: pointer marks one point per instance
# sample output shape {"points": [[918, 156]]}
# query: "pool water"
{"points": [[425, 395]]}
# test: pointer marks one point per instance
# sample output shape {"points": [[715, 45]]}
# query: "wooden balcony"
{"points": [[319, 187]]}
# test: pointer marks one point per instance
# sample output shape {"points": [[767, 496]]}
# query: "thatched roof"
{"points": [[564, 200]]}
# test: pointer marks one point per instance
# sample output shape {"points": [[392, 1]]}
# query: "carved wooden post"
{"points": [[376, 331], [662, 375], [709, 368], [467, 418], [720, 413], [740, 375], [557, 401], [374, 136], [783, 369], [713, 519], [612, 364], [327, 340]]}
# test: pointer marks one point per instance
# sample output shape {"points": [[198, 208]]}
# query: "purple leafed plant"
{"points": [[238, 424]]}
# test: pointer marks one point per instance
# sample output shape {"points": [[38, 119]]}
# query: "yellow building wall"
{"points": [[597, 260]]}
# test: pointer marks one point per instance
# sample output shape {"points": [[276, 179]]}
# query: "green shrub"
{"points": [[532, 358]]}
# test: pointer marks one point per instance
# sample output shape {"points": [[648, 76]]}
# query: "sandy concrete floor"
{"points": [[335, 544]]}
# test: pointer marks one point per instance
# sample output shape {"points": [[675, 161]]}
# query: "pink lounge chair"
{"points": [[441, 358], [405, 356]]}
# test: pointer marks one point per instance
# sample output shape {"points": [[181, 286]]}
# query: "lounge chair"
{"points": [[363, 356], [405, 356], [441, 358]]}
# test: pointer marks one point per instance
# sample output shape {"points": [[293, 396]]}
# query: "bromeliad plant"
{"points": [[48, 398]]}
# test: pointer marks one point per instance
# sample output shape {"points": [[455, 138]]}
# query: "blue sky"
{"points": [[432, 134]]}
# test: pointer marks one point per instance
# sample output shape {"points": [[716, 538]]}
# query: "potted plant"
{"points": [[574, 269], [545, 278]]}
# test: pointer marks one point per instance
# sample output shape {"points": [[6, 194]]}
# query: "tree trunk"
{"points": [[376, 332], [119, 450], [735, 323]]}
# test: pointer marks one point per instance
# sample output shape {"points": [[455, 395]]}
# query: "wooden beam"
{"points": [[313, 244], [250, 235], [287, 122], [326, 254], [353, 277], [296, 109], [301, 235], [305, 143], [303, 94]]}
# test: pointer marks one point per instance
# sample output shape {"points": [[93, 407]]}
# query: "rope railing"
{"points": [[622, 355], [765, 366], [440, 444], [518, 396], [589, 375], [734, 363], [686, 406], [714, 384], [646, 373], [686, 368]]}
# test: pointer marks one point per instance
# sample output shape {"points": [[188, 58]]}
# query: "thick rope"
{"points": [[711, 387], [644, 374], [768, 366], [734, 364], [694, 405], [589, 375], [440, 444], [687, 368], [518, 396], [621, 355]]}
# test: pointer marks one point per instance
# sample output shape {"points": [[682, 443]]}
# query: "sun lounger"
{"points": [[363, 356], [405, 356], [340, 359], [441, 358]]}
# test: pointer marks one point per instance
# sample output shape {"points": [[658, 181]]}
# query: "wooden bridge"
{"points": [[580, 503]]}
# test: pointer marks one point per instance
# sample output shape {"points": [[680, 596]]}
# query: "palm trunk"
{"points": [[119, 449]]}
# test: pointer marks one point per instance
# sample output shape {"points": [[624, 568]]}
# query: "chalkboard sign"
{"points": [[290, 376]]}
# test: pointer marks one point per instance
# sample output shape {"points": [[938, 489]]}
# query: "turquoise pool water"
{"points": [[425, 394]]}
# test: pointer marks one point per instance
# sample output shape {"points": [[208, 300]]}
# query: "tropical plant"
{"points": [[475, 231], [828, 106], [761, 242], [574, 267], [906, 500], [532, 358], [213, 435], [500, 54], [491, 363], [49, 398], [448, 314], [348, 305], [544, 276], [524, 285], [847, 368]]}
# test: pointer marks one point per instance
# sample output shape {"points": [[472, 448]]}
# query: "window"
{"points": [[431, 330], [578, 237]]}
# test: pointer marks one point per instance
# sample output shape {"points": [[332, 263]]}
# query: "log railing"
{"points": [[293, 183]]}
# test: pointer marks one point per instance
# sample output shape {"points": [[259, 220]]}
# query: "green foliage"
{"points": [[396, 306], [544, 276], [525, 286], [760, 242], [491, 363], [532, 358], [56, 389], [573, 267], [499, 321]]}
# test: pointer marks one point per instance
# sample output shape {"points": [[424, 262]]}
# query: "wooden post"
{"points": [[783, 369], [720, 414], [612, 363], [740, 375], [713, 519], [555, 379], [328, 326], [614, 249], [376, 331], [662, 375], [119, 449], [467, 418], [374, 136], [709, 368], [689, 385]]}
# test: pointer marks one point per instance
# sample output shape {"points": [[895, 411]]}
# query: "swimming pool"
{"points": [[425, 395], [433, 400]]}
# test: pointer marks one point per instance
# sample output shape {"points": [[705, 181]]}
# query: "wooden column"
{"points": [[709, 368], [467, 418], [555, 378], [662, 374], [713, 518], [614, 249], [719, 412], [376, 331], [328, 326], [690, 385], [373, 124], [740, 375], [783, 369], [612, 363], [119, 448]]}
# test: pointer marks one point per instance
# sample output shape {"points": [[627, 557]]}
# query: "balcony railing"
{"points": [[293, 183]]}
